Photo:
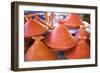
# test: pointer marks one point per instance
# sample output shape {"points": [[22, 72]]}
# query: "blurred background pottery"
{"points": [[73, 21], [49, 18]]}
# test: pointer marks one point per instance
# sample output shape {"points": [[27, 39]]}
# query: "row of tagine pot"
{"points": [[43, 41]]}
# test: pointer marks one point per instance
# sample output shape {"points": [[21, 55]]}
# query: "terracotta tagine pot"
{"points": [[60, 38], [33, 28], [73, 21], [84, 33], [80, 51], [39, 51]]}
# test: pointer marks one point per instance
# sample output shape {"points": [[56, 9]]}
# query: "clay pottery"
{"points": [[83, 33], [60, 38], [33, 28], [39, 51], [73, 21], [80, 51], [49, 17]]}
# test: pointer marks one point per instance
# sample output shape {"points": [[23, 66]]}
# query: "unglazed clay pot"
{"points": [[60, 38], [33, 28], [83, 33], [81, 51], [39, 51], [73, 21]]}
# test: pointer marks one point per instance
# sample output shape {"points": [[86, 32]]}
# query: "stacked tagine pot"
{"points": [[82, 49], [38, 50]]}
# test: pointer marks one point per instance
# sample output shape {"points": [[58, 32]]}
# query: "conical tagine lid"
{"points": [[33, 27], [60, 38], [73, 21], [39, 51], [81, 51]]}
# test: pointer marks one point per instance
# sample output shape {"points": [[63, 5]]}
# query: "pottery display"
{"points": [[51, 37], [60, 38], [39, 51]]}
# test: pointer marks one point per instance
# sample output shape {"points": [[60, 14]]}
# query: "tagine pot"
{"points": [[80, 51], [84, 33], [33, 28], [39, 51], [60, 38], [73, 21]]}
